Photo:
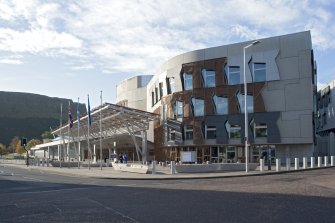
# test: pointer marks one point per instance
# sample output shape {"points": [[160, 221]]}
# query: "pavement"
{"points": [[162, 173]]}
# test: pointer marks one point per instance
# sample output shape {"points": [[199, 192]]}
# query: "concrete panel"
{"points": [[289, 129], [292, 44], [306, 124], [299, 96], [280, 85], [305, 66], [216, 52], [175, 61], [288, 68], [274, 100], [194, 56], [293, 115]]}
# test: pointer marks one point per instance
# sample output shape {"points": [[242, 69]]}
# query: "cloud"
{"points": [[36, 41], [118, 38], [10, 61]]}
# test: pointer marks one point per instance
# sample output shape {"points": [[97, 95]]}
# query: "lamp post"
{"points": [[245, 107]]}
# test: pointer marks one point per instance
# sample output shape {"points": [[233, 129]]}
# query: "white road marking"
{"points": [[34, 179]]}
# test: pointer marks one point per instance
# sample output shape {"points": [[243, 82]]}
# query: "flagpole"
{"points": [[60, 137], [68, 136], [100, 131], [88, 131], [78, 141]]}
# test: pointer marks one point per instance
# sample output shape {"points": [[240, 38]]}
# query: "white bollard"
{"points": [[153, 171], [261, 165], [278, 165], [296, 162], [319, 161], [312, 162], [326, 161], [38, 162], [304, 163], [332, 160], [173, 167], [288, 164]]}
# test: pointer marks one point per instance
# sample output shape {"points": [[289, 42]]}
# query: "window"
{"points": [[172, 134], [156, 93], [188, 81], [233, 75], [179, 110], [170, 85], [198, 107], [160, 90], [152, 98], [259, 72], [188, 132], [220, 105], [250, 102], [234, 131], [210, 132], [208, 77], [260, 130]]}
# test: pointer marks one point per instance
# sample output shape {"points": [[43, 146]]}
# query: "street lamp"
{"points": [[245, 107]]}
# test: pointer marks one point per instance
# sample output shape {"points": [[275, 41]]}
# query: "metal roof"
{"points": [[115, 120]]}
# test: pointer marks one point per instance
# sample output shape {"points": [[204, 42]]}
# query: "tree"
{"points": [[32, 143], [18, 148], [2, 149], [13, 144], [47, 135]]}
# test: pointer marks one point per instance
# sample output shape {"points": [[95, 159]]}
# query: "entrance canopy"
{"points": [[115, 120]]}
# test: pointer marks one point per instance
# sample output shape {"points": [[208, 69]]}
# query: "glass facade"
{"points": [[208, 77], [198, 107], [233, 75], [250, 102], [179, 110], [188, 81], [221, 105], [259, 72], [210, 132]]}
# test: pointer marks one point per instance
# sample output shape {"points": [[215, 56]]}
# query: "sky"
{"points": [[69, 49]]}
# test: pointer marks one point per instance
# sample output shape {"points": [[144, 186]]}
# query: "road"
{"points": [[37, 196]]}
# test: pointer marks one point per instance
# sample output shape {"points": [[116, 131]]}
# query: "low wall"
{"points": [[133, 168], [202, 168]]}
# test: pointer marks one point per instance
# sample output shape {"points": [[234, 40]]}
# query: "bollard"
{"points": [[288, 164], [173, 167], [304, 163], [326, 161], [153, 171], [261, 165], [48, 162], [319, 161], [38, 162], [296, 161], [43, 162], [312, 162], [278, 165], [332, 160]]}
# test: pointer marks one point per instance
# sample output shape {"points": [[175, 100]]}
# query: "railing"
{"points": [[320, 162]]}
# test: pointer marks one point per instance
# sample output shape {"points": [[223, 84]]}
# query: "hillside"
{"points": [[29, 115]]}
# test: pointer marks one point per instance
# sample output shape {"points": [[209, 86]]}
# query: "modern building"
{"points": [[199, 96], [325, 121]]}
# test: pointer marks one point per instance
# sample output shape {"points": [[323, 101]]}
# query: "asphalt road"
{"points": [[37, 196]]}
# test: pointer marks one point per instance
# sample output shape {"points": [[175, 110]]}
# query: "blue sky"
{"points": [[68, 48]]}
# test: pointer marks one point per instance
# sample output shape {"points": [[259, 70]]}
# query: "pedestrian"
{"points": [[125, 158], [121, 158]]}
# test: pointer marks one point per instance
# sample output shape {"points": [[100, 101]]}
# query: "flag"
{"points": [[89, 111], [70, 117]]}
